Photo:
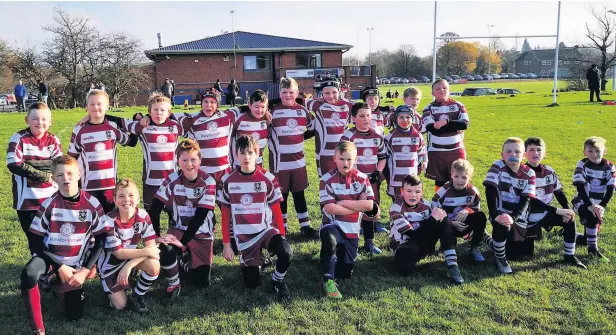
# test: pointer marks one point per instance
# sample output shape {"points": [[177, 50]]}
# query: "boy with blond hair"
{"points": [[28, 157], [411, 97], [594, 179]]}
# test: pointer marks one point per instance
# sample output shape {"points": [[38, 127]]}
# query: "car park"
{"points": [[455, 77], [423, 79], [412, 80], [531, 76], [478, 77], [521, 75], [504, 75], [487, 77], [404, 80], [468, 77], [394, 80], [478, 91], [449, 79], [513, 76], [495, 76], [507, 91]]}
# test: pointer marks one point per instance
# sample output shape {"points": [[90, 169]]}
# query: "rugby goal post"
{"points": [[557, 36]]}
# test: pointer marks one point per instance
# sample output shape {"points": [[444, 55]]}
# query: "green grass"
{"points": [[541, 297]]}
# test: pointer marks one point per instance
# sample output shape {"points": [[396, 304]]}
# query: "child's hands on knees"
{"points": [[567, 214], [504, 219], [65, 273], [462, 215], [438, 214]]}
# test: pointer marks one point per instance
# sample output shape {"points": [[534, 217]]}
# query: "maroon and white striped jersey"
{"points": [[246, 124], [380, 118], [250, 197], [67, 226], [23, 147], [453, 201], [596, 178], [416, 121], [330, 122], [451, 110], [370, 148], [546, 184], [511, 186], [404, 218], [286, 142], [405, 153], [95, 147], [158, 143], [125, 236], [182, 197], [334, 187], [213, 135]]}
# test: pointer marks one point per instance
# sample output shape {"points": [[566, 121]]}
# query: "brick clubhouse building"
{"points": [[258, 61]]}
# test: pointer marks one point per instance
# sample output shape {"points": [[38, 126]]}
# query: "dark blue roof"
{"points": [[246, 42]]}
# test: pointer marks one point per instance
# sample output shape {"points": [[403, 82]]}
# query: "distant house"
{"points": [[541, 62]]}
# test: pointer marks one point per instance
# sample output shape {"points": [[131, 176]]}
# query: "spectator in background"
{"points": [[328, 76], [172, 92], [396, 94], [101, 86], [218, 87], [594, 84], [166, 88], [232, 91], [388, 94], [317, 85], [21, 94], [43, 91]]}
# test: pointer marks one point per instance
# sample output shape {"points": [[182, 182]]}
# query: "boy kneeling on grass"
{"points": [[62, 227], [250, 198], [121, 256], [415, 229]]}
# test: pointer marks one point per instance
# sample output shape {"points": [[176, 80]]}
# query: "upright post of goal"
{"points": [[556, 58], [434, 47]]}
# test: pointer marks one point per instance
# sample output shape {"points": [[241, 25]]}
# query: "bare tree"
{"points": [[600, 38], [7, 60], [30, 66]]}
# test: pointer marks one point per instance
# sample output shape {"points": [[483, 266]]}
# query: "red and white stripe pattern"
{"points": [[334, 187], [450, 110], [158, 143], [511, 186], [370, 148], [250, 196], [596, 178], [67, 226], [247, 124], [183, 198], [330, 123], [125, 236], [286, 143], [95, 147], [213, 135], [23, 146], [404, 218], [405, 153], [547, 183], [453, 201], [380, 118]]}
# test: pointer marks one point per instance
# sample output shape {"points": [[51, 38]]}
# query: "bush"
{"points": [[578, 85]]}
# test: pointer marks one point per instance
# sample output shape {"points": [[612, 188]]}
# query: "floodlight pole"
{"points": [[369, 45], [490, 26], [613, 65], [434, 47], [556, 58], [233, 32]]}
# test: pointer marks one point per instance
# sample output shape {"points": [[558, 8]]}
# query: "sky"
{"points": [[394, 23]]}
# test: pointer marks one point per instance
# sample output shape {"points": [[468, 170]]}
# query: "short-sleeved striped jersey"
{"points": [[182, 197], [23, 146], [450, 110], [67, 226], [370, 148], [334, 187], [286, 143], [511, 186], [249, 197], [404, 218], [329, 124], [596, 178], [405, 153], [95, 147], [213, 135], [125, 236], [453, 201], [246, 124], [546, 183], [380, 118], [158, 143]]}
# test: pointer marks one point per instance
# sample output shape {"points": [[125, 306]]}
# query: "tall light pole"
{"points": [[490, 26], [613, 65], [233, 32], [370, 45]]}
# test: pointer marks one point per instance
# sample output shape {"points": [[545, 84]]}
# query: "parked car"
{"points": [[384, 81], [521, 75], [478, 77], [468, 77], [4, 101], [456, 94], [394, 80], [404, 80], [455, 77], [449, 79], [31, 99], [531, 76], [504, 75], [412, 80], [487, 77], [423, 79], [507, 91], [495, 76], [513, 76], [478, 91], [9, 98]]}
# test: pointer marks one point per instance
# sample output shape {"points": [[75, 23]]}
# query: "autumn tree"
{"points": [[457, 57]]}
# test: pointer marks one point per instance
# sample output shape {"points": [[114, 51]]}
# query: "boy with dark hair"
{"points": [[190, 196], [415, 229], [250, 199], [509, 187], [380, 114], [345, 194], [371, 159], [63, 225], [594, 179], [253, 120], [28, 157], [542, 214]]}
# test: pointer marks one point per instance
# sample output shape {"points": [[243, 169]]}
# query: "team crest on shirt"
{"points": [[198, 191], [355, 186], [406, 149], [520, 183], [335, 116], [212, 127], [67, 229], [299, 112], [83, 215], [256, 136], [547, 179], [452, 108], [378, 116], [108, 134], [292, 123], [375, 141], [263, 125], [99, 147], [367, 152], [50, 148], [414, 141], [161, 140], [443, 117], [172, 129], [343, 108], [469, 199], [258, 187], [136, 228], [246, 200]]}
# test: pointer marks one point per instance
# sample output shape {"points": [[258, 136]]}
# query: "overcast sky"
{"points": [[394, 23]]}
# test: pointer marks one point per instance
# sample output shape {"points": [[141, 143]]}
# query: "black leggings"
{"points": [[25, 219], [200, 276], [476, 224], [299, 200], [422, 242], [278, 246]]}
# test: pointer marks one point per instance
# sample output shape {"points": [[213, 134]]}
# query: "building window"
{"points": [[308, 60], [543, 62], [258, 62], [528, 62], [549, 62]]}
